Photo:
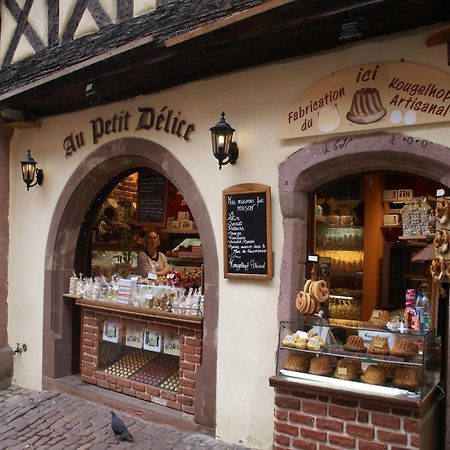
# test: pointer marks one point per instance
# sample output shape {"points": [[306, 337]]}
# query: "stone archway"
{"points": [[323, 162], [90, 176], [320, 163]]}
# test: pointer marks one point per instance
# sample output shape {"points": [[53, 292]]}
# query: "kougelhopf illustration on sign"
{"points": [[366, 106], [371, 96], [329, 119]]}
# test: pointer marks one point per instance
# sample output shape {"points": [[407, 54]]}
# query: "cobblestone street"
{"points": [[53, 420]]}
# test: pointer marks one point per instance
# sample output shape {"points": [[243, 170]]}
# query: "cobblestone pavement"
{"points": [[53, 420]]}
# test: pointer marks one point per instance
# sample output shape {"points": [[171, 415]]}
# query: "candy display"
{"points": [[171, 383], [130, 364], [157, 370]]}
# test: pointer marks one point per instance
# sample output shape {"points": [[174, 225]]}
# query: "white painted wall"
{"points": [[253, 100]]}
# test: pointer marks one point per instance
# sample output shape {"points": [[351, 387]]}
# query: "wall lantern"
{"points": [[224, 149], [30, 171]]}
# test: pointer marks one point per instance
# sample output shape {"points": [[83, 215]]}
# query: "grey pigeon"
{"points": [[120, 429]]}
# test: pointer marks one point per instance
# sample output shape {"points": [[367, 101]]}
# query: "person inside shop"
{"points": [[151, 260]]}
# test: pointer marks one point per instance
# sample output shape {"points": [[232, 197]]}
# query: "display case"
{"points": [[343, 245], [372, 361]]}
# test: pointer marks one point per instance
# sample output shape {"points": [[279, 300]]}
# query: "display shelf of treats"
{"points": [[135, 310], [367, 359]]}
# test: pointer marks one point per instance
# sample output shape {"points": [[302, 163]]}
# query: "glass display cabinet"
{"points": [[372, 360]]}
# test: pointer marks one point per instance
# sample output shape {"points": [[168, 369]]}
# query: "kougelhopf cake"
{"points": [[374, 375], [297, 362], [366, 107], [379, 317], [320, 365], [406, 378], [355, 344], [346, 369], [404, 347], [389, 370], [379, 346]]}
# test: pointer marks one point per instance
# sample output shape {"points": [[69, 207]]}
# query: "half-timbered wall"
{"points": [[29, 26]]}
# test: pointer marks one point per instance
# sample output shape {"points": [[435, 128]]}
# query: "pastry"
{"points": [[379, 346], [289, 340], [300, 342], [366, 107], [320, 365], [319, 290], [374, 375], [355, 344], [379, 317], [315, 343], [297, 362], [441, 240], [346, 369], [404, 347], [406, 378], [389, 370], [442, 211]]}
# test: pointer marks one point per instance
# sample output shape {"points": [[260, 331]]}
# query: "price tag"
{"points": [[152, 276], [342, 370]]}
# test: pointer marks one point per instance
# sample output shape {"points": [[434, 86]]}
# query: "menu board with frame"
{"points": [[152, 199], [247, 242]]}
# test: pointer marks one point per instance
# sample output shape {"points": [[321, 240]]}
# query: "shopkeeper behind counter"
{"points": [[151, 260]]}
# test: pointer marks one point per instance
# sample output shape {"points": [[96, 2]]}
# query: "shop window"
{"points": [[370, 231]]}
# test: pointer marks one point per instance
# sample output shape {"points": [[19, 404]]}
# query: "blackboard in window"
{"points": [[152, 199], [247, 239]]}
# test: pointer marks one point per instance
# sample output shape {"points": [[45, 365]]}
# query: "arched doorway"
{"points": [[90, 176], [313, 166], [316, 165]]}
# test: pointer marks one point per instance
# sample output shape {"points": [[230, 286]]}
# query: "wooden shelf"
{"points": [[134, 310], [115, 247]]}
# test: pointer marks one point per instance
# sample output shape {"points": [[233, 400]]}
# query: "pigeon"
{"points": [[120, 429]]}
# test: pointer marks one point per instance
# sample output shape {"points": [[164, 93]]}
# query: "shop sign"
{"points": [[372, 96], [165, 120]]}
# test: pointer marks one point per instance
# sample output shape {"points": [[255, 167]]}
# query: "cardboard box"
{"points": [[183, 215], [391, 219], [390, 195], [404, 195]]}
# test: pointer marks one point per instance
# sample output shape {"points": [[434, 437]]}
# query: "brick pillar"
{"points": [[6, 360]]}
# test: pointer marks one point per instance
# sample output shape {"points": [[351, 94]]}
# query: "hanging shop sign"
{"points": [[247, 242], [372, 96], [165, 120]]}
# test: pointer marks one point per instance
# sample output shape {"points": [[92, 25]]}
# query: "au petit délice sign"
{"points": [[164, 120]]}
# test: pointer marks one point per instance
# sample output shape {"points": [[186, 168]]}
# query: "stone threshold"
{"points": [[152, 412]]}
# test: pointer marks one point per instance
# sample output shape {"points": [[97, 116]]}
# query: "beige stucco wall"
{"points": [[253, 101]]}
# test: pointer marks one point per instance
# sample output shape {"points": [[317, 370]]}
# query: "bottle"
{"points": [[418, 319], [426, 313], [73, 284]]}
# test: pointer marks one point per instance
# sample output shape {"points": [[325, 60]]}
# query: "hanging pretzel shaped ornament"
{"points": [[441, 241], [442, 211], [436, 269]]}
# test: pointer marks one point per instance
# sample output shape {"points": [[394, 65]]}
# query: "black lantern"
{"points": [[224, 149], [30, 171]]}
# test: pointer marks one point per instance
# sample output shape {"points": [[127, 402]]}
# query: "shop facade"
{"points": [[239, 331]]}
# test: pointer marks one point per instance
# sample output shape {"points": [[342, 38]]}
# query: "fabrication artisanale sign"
{"points": [[371, 96], [247, 231], [164, 120]]}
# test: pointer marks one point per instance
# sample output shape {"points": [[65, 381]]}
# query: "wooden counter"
{"points": [[134, 310]]}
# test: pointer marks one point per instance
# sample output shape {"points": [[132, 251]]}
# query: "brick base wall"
{"points": [[190, 359], [310, 421]]}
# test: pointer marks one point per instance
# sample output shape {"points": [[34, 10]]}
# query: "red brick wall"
{"points": [[323, 422], [190, 359]]}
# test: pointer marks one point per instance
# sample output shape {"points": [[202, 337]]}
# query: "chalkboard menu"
{"points": [[247, 231], [152, 196]]}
